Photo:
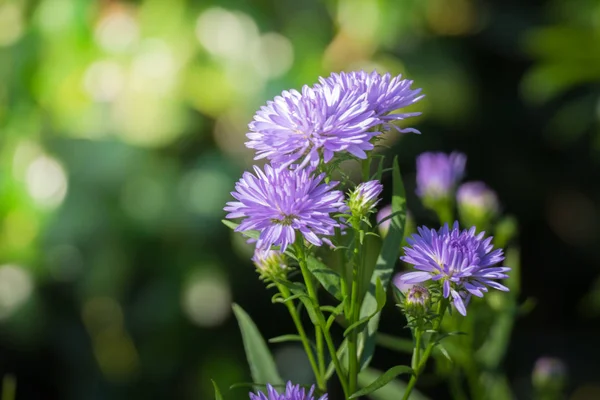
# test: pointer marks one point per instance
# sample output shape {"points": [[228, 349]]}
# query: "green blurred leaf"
{"points": [[394, 343], [9, 387], [262, 365], [383, 380], [285, 338], [233, 225], [218, 395], [392, 391], [380, 298], [384, 266], [327, 277]]}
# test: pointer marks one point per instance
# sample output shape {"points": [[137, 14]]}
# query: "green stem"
{"points": [[320, 378], [442, 304], [321, 331], [353, 339], [417, 349], [312, 293]]}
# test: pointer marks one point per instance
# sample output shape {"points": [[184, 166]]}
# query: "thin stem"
{"points": [[441, 311], [353, 339], [339, 369], [417, 350], [320, 378], [312, 293]]}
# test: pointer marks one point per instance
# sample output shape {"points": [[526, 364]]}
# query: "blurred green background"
{"points": [[121, 135]]}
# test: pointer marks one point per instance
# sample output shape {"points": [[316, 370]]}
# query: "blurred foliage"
{"points": [[121, 135]]}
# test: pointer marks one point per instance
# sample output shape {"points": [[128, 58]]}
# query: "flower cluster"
{"points": [[463, 261], [292, 392], [297, 132]]}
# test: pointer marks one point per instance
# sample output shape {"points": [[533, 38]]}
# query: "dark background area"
{"points": [[121, 135]]}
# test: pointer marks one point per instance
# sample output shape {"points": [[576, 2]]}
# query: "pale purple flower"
{"points": [[463, 261], [292, 392], [384, 226], [402, 286], [478, 197], [548, 370], [279, 201], [439, 173], [385, 94], [317, 122], [364, 197]]}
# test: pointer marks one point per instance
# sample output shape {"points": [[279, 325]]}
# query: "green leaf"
{"points": [[262, 366], [383, 380], [327, 277], [390, 251], [380, 298], [285, 338], [218, 395], [394, 343], [310, 309], [233, 225], [392, 391], [9, 387]]}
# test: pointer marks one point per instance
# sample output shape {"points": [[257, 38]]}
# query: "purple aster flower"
{"points": [[364, 197], [439, 173], [385, 93], [279, 202], [400, 283], [463, 261], [292, 392], [319, 121], [478, 197], [384, 226]]}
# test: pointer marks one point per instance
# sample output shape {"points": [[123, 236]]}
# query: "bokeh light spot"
{"points": [[11, 23], [104, 80], [206, 300], [15, 288], [46, 181], [117, 31]]}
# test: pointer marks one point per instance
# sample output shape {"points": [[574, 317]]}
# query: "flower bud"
{"points": [[417, 300], [477, 204], [549, 375], [364, 198], [270, 264], [438, 174]]}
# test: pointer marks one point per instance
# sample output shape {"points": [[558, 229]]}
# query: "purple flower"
{"points": [[385, 93], [319, 121], [400, 283], [478, 197], [279, 202], [384, 226], [292, 392], [463, 261], [439, 173], [364, 197]]}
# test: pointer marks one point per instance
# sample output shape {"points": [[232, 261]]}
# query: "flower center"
{"points": [[286, 220]]}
